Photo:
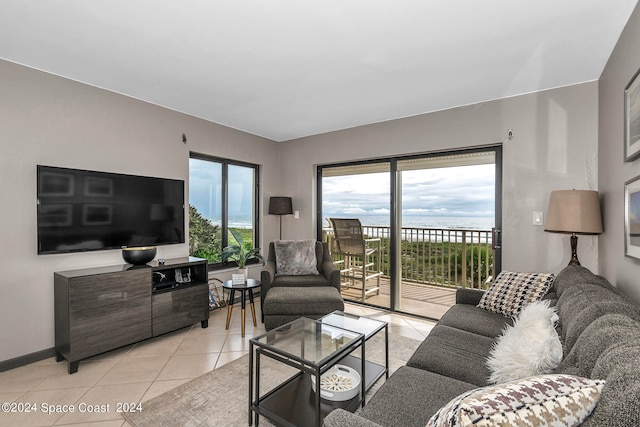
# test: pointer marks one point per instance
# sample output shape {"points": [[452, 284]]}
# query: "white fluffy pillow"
{"points": [[530, 347]]}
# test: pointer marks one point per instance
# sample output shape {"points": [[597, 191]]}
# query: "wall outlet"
{"points": [[296, 214]]}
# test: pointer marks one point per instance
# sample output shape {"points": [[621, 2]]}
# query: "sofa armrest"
{"points": [[468, 296], [267, 275], [328, 268], [331, 273], [341, 418]]}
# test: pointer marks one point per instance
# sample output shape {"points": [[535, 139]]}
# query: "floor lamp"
{"points": [[280, 206], [574, 212]]}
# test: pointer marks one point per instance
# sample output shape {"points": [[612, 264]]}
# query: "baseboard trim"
{"points": [[27, 359]]}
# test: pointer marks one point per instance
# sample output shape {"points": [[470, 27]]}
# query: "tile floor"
{"points": [[137, 373]]}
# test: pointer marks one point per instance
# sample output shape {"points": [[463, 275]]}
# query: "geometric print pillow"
{"points": [[546, 400], [512, 291]]}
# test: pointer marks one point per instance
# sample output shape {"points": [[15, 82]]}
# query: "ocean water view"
{"points": [[423, 221], [408, 221]]}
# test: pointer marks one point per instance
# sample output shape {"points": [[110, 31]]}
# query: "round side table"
{"points": [[244, 288]]}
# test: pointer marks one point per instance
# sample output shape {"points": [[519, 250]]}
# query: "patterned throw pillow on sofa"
{"points": [[295, 257], [512, 291], [546, 400]]}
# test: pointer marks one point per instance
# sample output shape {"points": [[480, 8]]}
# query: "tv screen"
{"points": [[81, 210]]}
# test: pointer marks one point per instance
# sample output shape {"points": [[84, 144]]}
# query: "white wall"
{"points": [[49, 120], [613, 170], [555, 147]]}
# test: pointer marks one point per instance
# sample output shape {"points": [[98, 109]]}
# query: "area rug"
{"points": [[220, 397]]}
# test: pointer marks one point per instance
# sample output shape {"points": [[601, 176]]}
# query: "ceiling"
{"points": [[285, 69]]}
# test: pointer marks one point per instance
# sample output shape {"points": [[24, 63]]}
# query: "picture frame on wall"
{"points": [[632, 218], [632, 118]]}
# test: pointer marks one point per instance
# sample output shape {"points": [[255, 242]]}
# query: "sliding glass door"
{"points": [[359, 191], [433, 216], [446, 215]]}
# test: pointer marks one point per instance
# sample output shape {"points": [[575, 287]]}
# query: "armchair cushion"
{"points": [[327, 273], [296, 257]]}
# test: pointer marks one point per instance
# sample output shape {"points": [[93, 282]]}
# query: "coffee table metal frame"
{"points": [[289, 404]]}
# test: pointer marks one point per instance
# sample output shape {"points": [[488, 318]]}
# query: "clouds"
{"points": [[453, 191]]}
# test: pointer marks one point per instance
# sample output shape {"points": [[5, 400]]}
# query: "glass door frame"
{"points": [[395, 205]]}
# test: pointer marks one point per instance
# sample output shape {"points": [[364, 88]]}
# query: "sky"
{"points": [[464, 191], [205, 190]]}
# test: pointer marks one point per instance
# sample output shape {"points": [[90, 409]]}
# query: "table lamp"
{"points": [[280, 206], [574, 212]]}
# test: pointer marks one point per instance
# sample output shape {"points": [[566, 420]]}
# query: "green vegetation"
{"points": [[440, 263], [240, 252], [205, 238]]}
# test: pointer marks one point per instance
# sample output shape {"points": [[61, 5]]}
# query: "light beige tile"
{"points": [[100, 403], [195, 344], [406, 331], [43, 407], [135, 370], [11, 396], [163, 345], [27, 377], [89, 373], [188, 366], [214, 328], [117, 354], [235, 342]]}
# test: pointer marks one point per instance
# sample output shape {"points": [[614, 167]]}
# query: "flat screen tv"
{"points": [[80, 210]]}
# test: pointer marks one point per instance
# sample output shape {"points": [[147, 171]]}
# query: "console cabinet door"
{"points": [[108, 311], [180, 308]]}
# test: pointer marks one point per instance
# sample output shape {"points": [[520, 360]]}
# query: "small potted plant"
{"points": [[240, 254]]}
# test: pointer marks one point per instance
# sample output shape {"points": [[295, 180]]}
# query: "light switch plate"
{"points": [[538, 218]]}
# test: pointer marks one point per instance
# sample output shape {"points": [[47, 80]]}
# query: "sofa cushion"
{"points": [[475, 319], [302, 301], [300, 281], [576, 275], [579, 306], [601, 334], [530, 347], [296, 257], [454, 353], [547, 400], [512, 291], [619, 405], [410, 396]]}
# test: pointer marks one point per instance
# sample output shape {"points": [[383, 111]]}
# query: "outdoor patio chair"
{"points": [[360, 263]]}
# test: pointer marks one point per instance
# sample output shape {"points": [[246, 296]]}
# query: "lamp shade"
{"points": [[280, 206], [574, 211]]}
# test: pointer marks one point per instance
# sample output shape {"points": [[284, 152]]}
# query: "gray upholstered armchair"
{"points": [[329, 273]]}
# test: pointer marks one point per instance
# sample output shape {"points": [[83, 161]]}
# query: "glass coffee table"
{"points": [[313, 347]]}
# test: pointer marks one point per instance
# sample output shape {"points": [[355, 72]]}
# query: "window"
{"points": [[222, 196]]}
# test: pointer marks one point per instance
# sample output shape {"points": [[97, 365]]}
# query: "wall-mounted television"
{"points": [[80, 210]]}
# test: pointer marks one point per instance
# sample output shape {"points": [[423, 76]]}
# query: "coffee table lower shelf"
{"points": [[293, 402]]}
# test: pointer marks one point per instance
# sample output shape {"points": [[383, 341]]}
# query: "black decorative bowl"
{"points": [[139, 255]]}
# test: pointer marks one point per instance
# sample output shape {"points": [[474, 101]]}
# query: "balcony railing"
{"points": [[440, 257]]}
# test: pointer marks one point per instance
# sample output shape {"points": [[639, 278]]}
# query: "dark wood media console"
{"points": [[101, 309]]}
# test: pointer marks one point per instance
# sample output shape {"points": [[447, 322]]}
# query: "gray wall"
{"points": [[555, 147], [48, 120], [613, 170]]}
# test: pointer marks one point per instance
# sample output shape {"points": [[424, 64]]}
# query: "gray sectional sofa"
{"points": [[600, 333]]}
